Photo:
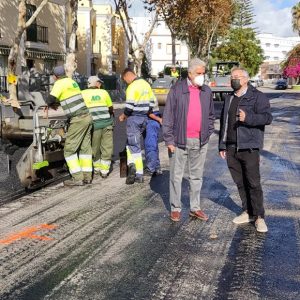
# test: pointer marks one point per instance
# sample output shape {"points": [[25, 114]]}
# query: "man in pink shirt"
{"points": [[187, 125]]}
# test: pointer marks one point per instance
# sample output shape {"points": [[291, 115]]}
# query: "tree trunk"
{"points": [[71, 63], [14, 51], [173, 37]]}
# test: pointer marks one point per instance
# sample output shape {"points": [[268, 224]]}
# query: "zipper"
{"points": [[226, 122]]}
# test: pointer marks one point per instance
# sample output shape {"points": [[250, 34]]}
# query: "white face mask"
{"points": [[199, 80]]}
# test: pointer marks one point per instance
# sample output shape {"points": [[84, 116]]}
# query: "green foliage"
{"points": [[241, 45], [145, 68], [243, 14]]}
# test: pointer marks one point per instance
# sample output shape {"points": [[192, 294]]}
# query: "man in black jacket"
{"points": [[243, 120]]}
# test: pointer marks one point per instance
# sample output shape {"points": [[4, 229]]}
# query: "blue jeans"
{"points": [[151, 145]]}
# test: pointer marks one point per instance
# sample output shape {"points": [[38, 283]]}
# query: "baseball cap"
{"points": [[92, 81], [59, 71]]}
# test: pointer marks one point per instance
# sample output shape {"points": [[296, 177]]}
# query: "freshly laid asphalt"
{"points": [[113, 241]]}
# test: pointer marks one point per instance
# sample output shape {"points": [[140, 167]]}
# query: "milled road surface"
{"points": [[112, 241]]}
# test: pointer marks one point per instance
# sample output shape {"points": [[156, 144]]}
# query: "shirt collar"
{"points": [[243, 92]]}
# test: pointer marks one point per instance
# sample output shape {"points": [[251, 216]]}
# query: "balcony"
{"points": [[38, 34]]}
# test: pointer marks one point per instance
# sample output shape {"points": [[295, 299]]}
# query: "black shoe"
{"points": [[87, 181], [131, 174], [139, 179], [147, 172], [104, 176]]}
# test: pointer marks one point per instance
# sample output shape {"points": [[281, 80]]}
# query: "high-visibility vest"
{"points": [[98, 101], [139, 98], [67, 91], [174, 74]]}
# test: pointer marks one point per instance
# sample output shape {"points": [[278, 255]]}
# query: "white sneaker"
{"points": [[261, 225], [242, 218]]}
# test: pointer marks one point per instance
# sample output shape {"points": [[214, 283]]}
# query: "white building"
{"points": [[161, 49], [275, 51], [275, 47]]}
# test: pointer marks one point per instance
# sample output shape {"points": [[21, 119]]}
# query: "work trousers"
{"points": [[78, 149], [135, 127], [194, 156], [151, 136], [102, 146], [244, 168]]}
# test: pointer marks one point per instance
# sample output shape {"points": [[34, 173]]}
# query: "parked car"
{"points": [[254, 83], [281, 84], [161, 88], [260, 82]]}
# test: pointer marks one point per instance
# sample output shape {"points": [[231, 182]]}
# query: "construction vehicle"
{"points": [[43, 132], [219, 81]]}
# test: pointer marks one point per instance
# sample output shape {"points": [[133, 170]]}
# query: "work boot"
{"points": [[261, 225], [104, 176], [87, 181], [242, 218], [131, 174], [147, 172], [199, 214], [73, 182]]}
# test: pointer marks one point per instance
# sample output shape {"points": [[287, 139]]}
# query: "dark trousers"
{"points": [[244, 168]]}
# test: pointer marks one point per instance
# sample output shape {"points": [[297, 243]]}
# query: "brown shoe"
{"points": [[175, 216], [199, 214]]}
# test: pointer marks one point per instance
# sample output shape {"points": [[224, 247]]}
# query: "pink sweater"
{"points": [[194, 117]]}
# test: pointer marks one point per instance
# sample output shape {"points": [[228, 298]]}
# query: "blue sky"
{"points": [[271, 16]]}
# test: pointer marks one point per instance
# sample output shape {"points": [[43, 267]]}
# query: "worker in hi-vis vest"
{"points": [[139, 104], [77, 149], [100, 106], [174, 72]]}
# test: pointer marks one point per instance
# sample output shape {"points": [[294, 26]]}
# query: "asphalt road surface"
{"points": [[112, 241]]}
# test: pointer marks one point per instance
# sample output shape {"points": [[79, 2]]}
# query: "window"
{"points": [[159, 46], [177, 48], [284, 52], [276, 58], [268, 44], [276, 45], [267, 57]]}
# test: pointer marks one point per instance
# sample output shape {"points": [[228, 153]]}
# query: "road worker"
{"points": [[174, 72], [100, 106], [77, 149], [139, 103]]}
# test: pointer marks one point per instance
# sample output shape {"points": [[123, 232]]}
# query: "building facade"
{"points": [[161, 49], [44, 41], [275, 51]]}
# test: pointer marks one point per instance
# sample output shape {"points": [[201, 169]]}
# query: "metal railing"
{"points": [[37, 33]]}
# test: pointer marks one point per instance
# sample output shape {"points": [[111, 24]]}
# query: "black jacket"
{"points": [[250, 134]]}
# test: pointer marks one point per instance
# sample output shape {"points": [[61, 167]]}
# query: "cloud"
{"points": [[270, 17]]}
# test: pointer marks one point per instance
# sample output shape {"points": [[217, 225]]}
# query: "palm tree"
{"points": [[296, 17]]}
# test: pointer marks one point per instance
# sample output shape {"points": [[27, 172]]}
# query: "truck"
{"points": [[219, 81]]}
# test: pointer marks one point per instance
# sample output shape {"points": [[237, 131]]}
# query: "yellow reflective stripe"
{"points": [[105, 165], [129, 156], [73, 164], [138, 160], [86, 162]]}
